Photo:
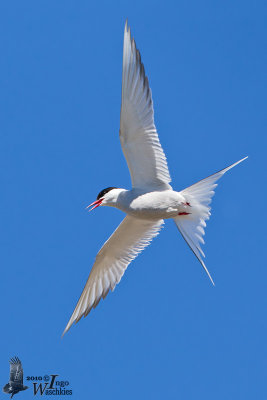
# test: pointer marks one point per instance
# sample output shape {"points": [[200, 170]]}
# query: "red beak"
{"points": [[96, 203]]}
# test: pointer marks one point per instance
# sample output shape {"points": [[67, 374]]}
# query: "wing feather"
{"points": [[129, 239], [138, 135]]}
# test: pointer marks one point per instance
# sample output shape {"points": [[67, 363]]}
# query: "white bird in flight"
{"points": [[151, 199]]}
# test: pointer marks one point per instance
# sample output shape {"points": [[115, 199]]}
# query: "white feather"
{"points": [[199, 197], [129, 239], [138, 135], [151, 199]]}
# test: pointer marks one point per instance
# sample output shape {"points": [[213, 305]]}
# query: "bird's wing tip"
{"points": [[64, 332], [69, 324], [126, 26]]}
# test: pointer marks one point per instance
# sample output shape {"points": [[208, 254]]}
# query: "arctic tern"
{"points": [[151, 199]]}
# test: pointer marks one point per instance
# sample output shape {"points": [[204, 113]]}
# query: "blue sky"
{"points": [[165, 333]]}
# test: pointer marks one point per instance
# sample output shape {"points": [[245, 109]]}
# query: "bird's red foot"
{"points": [[187, 204]]}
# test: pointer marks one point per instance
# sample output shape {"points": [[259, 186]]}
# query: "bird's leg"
{"points": [[186, 204]]}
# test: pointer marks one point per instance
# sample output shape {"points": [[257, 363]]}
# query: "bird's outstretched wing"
{"points": [[16, 371], [129, 239], [138, 135]]}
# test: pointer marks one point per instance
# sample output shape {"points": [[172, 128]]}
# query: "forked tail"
{"points": [[191, 226]]}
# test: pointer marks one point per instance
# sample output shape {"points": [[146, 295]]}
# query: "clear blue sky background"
{"points": [[165, 333]]}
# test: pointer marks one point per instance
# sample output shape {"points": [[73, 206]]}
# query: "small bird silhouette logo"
{"points": [[15, 383]]}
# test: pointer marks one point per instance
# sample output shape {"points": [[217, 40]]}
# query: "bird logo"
{"points": [[15, 384]]}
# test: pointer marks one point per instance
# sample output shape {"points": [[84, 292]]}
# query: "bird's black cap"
{"points": [[104, 191]]}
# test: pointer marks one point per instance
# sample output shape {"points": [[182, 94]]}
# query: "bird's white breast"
{"points": [[150, 205]]}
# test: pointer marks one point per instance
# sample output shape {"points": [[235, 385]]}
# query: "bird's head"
{"points": [[107, 197]]}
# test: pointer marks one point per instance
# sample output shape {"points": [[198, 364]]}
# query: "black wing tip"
{"points": [[15, 360]]}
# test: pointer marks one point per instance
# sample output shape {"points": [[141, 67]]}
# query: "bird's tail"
{"points": [[192, 224]]}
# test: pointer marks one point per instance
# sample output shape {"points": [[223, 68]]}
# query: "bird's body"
{"points": [[150, 205], [151, 199]]}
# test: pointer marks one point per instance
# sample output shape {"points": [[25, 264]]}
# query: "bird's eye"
{"points": [[104, 191]]}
